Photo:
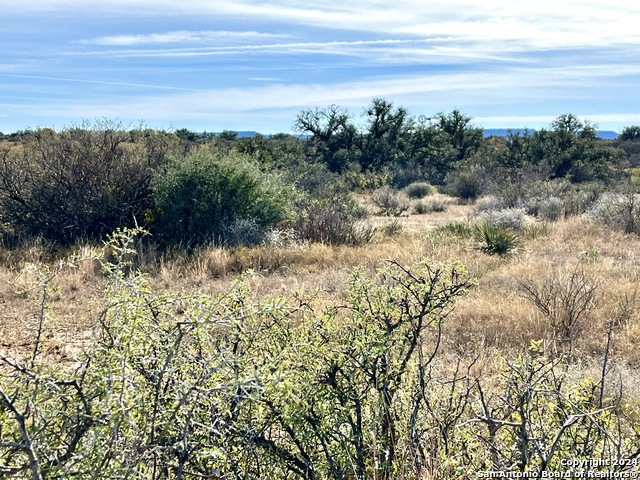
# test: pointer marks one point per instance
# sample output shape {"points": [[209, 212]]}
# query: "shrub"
{"points": [[551, 199], [421, 207], [333, 221], [496, 240], [539, 198], [244, 231], [537, 414], [418, 190], [315, 179], [565, 298], [391, 228], [209, 198], [551, 209], [281, 238], [390, 201], [224, 387], [489, 203], [429, 206], [80, 183], [356, 180], [403, 174], [438, 204], [466, 184], [580, 199], [617, 210], [233, 386], [508, 218]]}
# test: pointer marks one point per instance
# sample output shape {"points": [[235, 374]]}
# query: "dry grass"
{"points": [[495, 316], [415, 223]]}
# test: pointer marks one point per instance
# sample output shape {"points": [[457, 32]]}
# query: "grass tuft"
{"points": [[496, 240]]}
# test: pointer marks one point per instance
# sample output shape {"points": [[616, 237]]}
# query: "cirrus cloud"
{"points": [[259, 62]]}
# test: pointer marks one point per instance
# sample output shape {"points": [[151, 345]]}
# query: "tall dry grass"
{"points": [[495, 314]]}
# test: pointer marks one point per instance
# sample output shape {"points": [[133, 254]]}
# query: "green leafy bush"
{"points": [[207, 197], [315, 179], [201, 389]]}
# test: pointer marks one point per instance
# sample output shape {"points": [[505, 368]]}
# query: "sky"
{"points": [[216, 65]]}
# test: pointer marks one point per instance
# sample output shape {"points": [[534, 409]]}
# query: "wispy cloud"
{"points": [[188, 63], [381, 52], [10, 67], [355, 47], [569, 22], [181, 36], [97, 82], [426, 93]]}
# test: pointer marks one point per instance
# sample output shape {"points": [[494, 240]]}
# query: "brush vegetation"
{"points": [[183, 305]]}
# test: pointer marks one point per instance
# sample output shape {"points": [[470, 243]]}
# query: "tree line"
{"points": [[82, 182]]}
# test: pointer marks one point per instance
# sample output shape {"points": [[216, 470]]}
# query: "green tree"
{"points": [[278, 151], [229, 135], [332, 135], [463, 136], [571, 149], [443, 143], [518, 152], [384, 141], [630, 133]]}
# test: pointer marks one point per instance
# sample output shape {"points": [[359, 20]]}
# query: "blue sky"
{"points": [[253, 65]]}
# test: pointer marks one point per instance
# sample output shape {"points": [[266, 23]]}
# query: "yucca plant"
{"points": [[496, 240]]}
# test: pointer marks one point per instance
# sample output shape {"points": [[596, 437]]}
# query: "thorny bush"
{"points": [[222, 386]]}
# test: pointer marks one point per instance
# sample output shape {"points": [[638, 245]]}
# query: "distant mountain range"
{"points": [[488, 132], [248, 133], [502, 132]]}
